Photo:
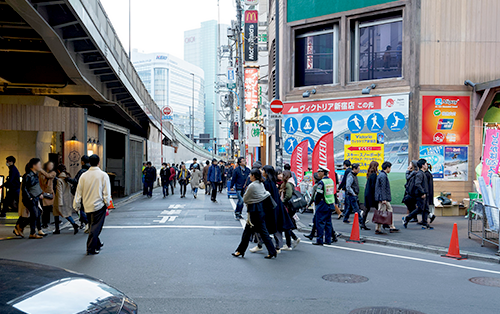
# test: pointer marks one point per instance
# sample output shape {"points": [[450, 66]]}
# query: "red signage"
{"points": [[251, 16], [323, 155], [167, 110], [251, 88], [333, 105], [351, 148], [300, 160], [276, 106], [445, 120]]}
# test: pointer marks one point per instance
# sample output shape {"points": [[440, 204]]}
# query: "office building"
{"points": [[175, 83]]}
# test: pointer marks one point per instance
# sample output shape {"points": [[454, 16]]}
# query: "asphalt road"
{"points": [[184, 265]]}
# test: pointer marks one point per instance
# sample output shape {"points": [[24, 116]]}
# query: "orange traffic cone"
{"points": [[454, 249], [355, 230], [111, 205]]}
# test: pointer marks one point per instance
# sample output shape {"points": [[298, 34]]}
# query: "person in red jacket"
{"points": [[171, 180]]}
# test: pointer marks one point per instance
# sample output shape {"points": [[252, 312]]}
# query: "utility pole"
{"points": [[279, 147], [231, 105], [240, 78], [192, 112]]}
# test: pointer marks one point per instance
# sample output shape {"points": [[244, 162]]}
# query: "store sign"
{"points": [[251, 91], [231, 78], [252, 135], [491, 155], [364, 148], [445, 120], [251, 35]]}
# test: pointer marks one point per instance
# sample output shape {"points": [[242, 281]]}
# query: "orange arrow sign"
{"points": [[364, 148]]}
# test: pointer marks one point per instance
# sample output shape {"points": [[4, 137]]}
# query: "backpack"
{"points": [[297, 201], [409, 189]]}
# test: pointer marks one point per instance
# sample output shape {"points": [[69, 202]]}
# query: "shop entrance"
{"points": [[115, 161]]}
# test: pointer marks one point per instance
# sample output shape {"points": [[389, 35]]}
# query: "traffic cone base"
{"points": [[355, 231], [454, 249]]}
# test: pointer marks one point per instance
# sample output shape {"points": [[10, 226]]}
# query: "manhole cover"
{"points": [[486, 281], [383, 310], [345, 278]]}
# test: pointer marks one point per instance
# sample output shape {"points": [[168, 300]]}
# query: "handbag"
{"points": [[382, 216], [297, 201], [48, 196], [202, 185]]}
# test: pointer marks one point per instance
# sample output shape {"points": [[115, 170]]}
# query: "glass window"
{"points": [[316, 56], [378, 49]]}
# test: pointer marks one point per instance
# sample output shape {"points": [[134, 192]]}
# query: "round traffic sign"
{"points": [[276, 106], [167, 110]]}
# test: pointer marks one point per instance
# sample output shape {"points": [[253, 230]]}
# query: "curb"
{"points": [[414, 246], [129, 198]]}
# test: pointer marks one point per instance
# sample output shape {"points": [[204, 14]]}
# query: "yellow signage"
{"points": [[363, 148]]}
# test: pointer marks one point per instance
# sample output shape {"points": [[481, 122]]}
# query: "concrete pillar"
{"points": [[128, 166]]}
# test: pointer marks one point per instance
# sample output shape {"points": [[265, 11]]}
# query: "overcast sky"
{"points": [[159, 25]]}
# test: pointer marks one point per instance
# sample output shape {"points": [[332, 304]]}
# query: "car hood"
{"points": [[39, 289]]}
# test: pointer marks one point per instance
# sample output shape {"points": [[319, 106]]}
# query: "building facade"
{"points": [[175, 83], [391, 70], [201, 49]]}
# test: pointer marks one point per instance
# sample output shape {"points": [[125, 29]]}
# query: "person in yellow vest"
{"points": [[325, 205]]}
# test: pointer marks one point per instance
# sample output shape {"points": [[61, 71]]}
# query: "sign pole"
{"points": [[240, 82], [279, 151]]}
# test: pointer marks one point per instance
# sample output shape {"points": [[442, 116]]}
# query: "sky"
{"points": [[159, 25]]}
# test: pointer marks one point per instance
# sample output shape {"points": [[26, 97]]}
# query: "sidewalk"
{"points": [[415, 238]]}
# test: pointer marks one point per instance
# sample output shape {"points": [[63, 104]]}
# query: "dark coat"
{"points": [[150, 174], [13, 182], [421, 186], [430, 187], [239, 178], [383, 188], [165, 176], [344, 179], [31, 187], [214, 174], [280, 216], [370, 191]]}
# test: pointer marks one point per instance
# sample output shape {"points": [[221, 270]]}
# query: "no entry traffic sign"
{"points": [[167, 110], [276, 106]]}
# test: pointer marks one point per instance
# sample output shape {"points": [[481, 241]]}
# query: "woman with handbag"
{"points": [[196, 177], [46, 177], [371, 179], [254, 197], [183, 178], [383, 215], [286, 191], [63, 203]]}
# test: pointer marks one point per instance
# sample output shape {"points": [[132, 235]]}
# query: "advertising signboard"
{"points": [[456, 163], [445, 120], [363, 148], [491, 155], [251, 91], [435, 157], [251, 35]]}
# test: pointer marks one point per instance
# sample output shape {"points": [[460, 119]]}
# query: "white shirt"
{"points": [[94, 189]]}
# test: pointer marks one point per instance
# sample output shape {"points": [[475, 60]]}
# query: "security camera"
{"points": [[306, 94], [469, 83]]}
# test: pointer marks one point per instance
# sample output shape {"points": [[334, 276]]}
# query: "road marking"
{"points": [[176, 206], [409, 258], [171, 212], [232, 203], [164, 219], [171, 226]]}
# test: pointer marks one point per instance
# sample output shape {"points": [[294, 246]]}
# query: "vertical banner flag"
{"points": [[251, 91], [251, 35], [300, 160], [323, 155], [490, 155]]}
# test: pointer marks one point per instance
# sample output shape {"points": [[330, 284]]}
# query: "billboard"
{"points": [[456, 163], [251, 35], [363, 148], [385, 115], [435, 157], [251, 91], [445, 120]]}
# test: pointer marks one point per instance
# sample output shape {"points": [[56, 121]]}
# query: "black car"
{"points": [[39, 289]]}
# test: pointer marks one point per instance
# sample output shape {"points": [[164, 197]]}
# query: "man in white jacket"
{"points": [[94, 190]]}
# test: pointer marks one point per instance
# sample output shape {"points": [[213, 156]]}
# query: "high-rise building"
{"points": [[174, 82], [201, 49]]}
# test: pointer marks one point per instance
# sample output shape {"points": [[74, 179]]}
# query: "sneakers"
{"points": [[295, 243], [405, 222], [278, 251], [286, 248], [255, 249]]}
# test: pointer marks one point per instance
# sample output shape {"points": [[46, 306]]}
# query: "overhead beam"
{"points": [[47, 3], [65, 24], [77, 38]]}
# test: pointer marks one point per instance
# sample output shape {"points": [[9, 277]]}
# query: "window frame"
{"points": [[355, 33], [335, 31]]}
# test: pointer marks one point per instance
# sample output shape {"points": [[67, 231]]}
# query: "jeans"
{"points": [[214, 190], [172, 185], [324, 224], [148, 186], [96, 223], [259, 226], [34, 219], [352, 206], [421, 208], [195, 191], [165, 188], [239, 206]]}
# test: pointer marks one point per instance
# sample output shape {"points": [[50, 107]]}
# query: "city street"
{"points": [[173, 255]]}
